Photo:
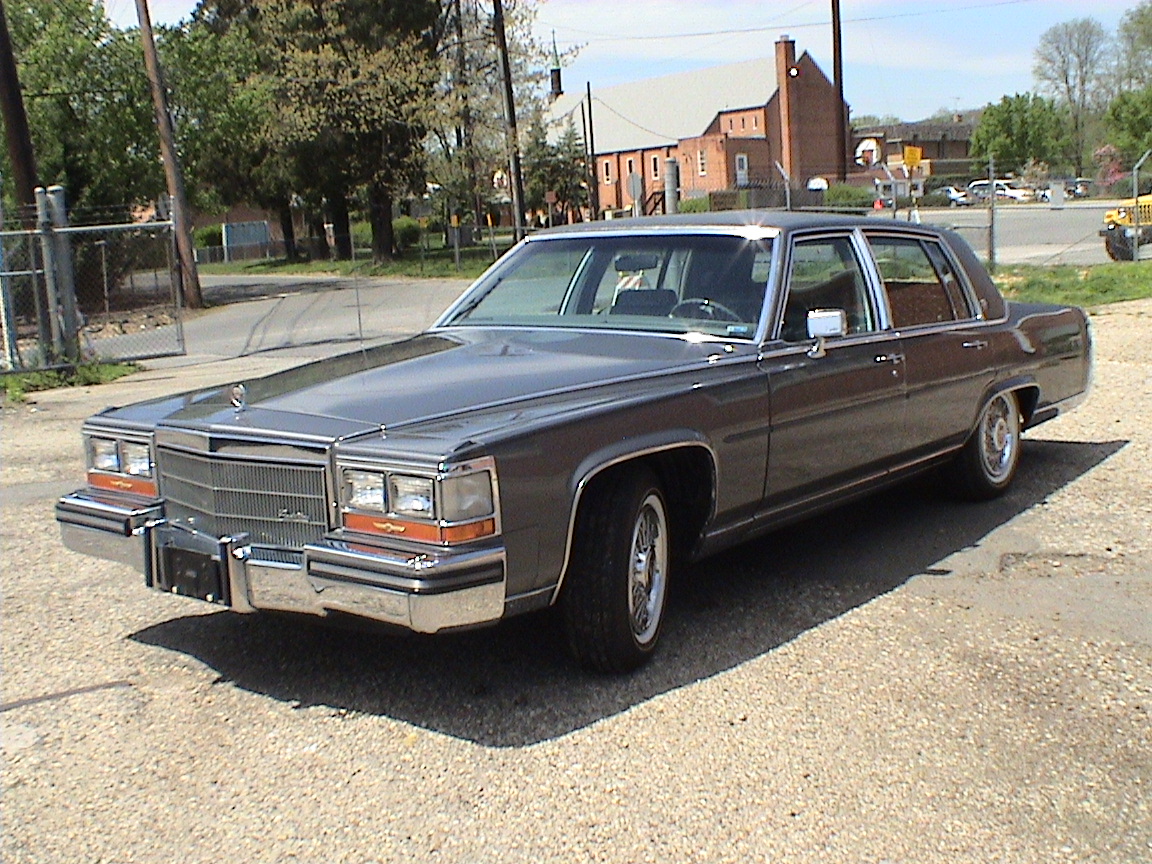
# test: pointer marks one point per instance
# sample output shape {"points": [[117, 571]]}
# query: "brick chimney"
{"points": [[785, 73]]}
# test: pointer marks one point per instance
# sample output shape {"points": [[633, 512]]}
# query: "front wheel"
{"points": [[615, 592], [1118, 248], [984, 468]]}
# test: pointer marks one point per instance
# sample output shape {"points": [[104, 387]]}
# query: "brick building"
{"points": [[727, 126]]}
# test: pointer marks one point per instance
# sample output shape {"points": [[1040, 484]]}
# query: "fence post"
{"points": [[11, 357], [787, 186], [48, 253], [1136, 205], [65, 272], [992, 214]]}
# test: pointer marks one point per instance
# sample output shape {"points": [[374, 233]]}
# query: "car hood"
{"points": [[437, 375]]}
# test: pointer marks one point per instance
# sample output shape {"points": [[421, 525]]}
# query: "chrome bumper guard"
{"points": [[422, 591]]}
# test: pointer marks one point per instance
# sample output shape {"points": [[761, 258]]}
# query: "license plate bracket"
{"points": [[191, 574]]}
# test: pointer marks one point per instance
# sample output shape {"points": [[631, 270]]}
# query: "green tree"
{"points": [[468, 143], [1021, 129], [1129, 123], [358, 76], [1074, 64], [227, 118], [560, 168], [88, 105], [1134, 41]]}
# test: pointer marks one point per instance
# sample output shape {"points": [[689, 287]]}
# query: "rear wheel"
{"points": [[984, 468], [615, 592]]}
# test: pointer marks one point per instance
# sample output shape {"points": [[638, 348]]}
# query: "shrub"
{"points": [[406, 232], [843, 195], [209, 235], [694, 205]]}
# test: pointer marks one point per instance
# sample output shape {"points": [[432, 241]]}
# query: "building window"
{"points": [[702, 162], [607, 172], [755, 121], [631, 167], [743, 120], [729, 124], [655, 167]]}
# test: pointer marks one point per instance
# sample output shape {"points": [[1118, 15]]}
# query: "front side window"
{"points": [[921, 286], [825, 274], [672, 284]]}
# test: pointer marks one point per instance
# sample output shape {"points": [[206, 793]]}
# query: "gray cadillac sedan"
{"points": [[607, 402]]}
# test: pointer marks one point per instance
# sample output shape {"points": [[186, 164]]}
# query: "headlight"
{"points": [[137, 459], [364, 490], [457, 505], [104, 455], [411, 496], [120, 465], [468, 496]]}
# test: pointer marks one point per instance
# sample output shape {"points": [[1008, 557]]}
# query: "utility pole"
{"points": [[16, 121], [510, 112], [841, 113], [189, 277], [594, 183]]}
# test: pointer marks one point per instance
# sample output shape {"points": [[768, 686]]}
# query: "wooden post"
{"points": [[189, 277]]}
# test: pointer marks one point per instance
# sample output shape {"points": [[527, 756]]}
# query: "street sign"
{"points": [[912, 156]]}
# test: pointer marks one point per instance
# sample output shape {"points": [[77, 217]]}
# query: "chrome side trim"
{"points": [[600, 468]]}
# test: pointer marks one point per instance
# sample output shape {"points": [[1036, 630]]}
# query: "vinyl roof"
{"points": [[658, 112]]}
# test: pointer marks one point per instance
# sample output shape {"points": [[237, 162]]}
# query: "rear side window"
{"points": [[921, 284]]}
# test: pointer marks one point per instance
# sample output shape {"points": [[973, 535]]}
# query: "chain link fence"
{"points": [[88, 293]]}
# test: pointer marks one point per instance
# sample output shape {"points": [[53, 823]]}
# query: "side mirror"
{"points": [[825, 324]]}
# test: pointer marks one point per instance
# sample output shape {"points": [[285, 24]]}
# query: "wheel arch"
{"points": [[1023, 388], [685, 467]]}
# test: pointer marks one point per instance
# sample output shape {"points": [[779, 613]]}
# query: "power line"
{"points": [[606, 37]]}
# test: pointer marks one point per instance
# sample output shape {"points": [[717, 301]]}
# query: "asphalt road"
{"points": [[1031, 233], [907, 679]]}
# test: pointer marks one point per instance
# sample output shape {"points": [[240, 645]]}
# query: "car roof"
{"points": [[779, 219]]}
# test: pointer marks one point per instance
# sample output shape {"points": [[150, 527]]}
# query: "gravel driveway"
{"points": [[907, 679]]}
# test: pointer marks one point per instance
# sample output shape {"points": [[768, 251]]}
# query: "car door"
{"points": [[947, 352], [837, 408]]}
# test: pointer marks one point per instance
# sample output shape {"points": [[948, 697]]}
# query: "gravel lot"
{"points": [[905, 680]]}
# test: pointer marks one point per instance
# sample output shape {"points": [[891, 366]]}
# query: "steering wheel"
{"points": [[704, 308]]}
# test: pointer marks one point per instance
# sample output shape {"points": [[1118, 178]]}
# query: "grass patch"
{"points": [[17, 385], [1094, 285]]}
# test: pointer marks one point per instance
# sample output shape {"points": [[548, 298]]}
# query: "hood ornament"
{"points": [[238, 396]]}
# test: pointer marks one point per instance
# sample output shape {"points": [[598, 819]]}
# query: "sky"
{"points": [[905, 58]]}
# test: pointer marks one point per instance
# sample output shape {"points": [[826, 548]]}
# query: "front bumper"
{"points": [[425, 591]]}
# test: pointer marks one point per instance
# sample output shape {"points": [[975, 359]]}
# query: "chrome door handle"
{"points": [[978, 344], [889, 358]]}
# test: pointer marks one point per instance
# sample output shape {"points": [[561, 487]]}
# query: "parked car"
{"points": [[609, 401], [957, 197], [978, 190]]}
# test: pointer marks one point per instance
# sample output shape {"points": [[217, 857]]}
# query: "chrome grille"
{"points": [[278, 504]]}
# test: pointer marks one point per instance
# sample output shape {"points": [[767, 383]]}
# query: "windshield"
{"points": [[672, 283]]}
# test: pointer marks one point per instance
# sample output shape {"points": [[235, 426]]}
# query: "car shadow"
{"points": [[513, 685]]}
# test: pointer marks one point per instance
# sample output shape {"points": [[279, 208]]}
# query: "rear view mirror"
{"points": [[635, 262], [825, 324]]}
